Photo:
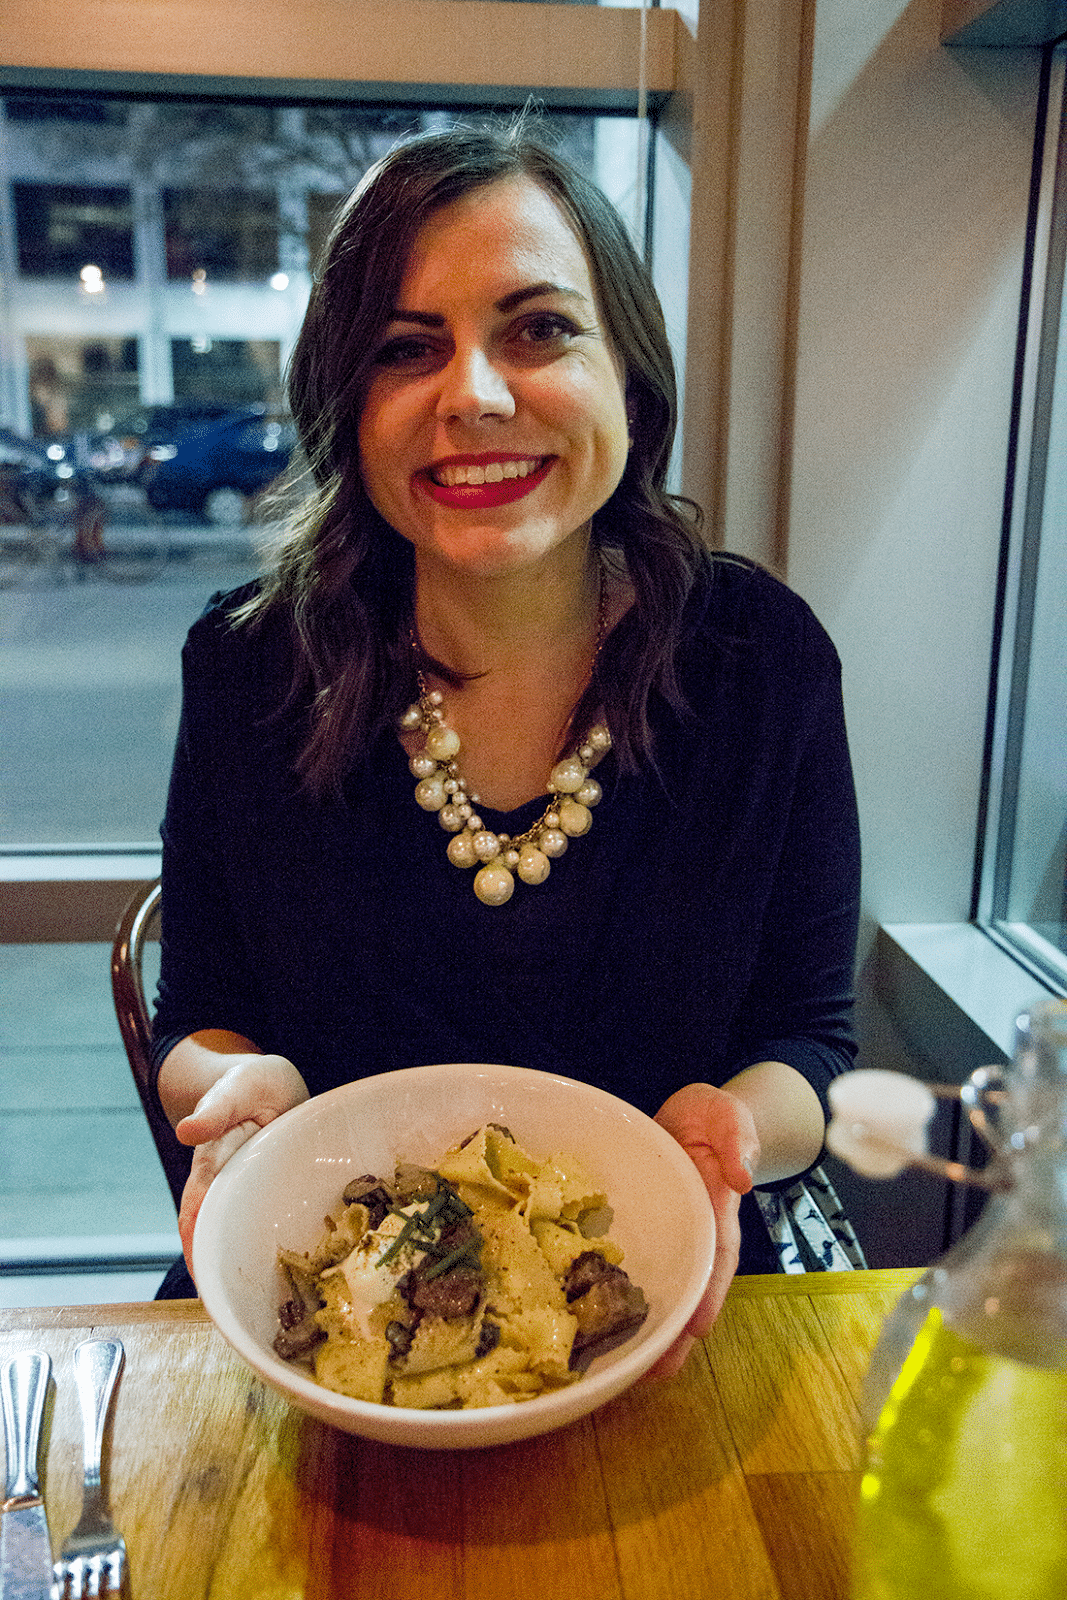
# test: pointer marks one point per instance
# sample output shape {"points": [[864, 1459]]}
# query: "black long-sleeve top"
{"points": [[707, 921]]}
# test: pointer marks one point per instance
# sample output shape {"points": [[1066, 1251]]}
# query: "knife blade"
{"points": [[25, 1548]]}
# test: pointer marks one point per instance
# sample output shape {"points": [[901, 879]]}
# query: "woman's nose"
{"points": [[473, 387]]}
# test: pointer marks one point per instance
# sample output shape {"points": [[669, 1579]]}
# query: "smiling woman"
{"points": [[485, 394], [509, 398]]}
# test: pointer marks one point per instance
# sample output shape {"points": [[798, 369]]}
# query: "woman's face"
{"points": [[494, 424]]}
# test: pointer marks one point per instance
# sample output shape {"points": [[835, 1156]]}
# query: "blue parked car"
{"points": [[216, 468]]}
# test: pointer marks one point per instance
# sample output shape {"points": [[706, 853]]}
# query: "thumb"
{"points": [[717, 1130], [255, 1089], [213, 1115]]}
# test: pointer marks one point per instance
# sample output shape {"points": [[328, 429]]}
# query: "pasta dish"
{"points": [[485, 1281]]}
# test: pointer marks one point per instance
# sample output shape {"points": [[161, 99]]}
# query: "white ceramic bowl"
{"points": [[276, 1190]]}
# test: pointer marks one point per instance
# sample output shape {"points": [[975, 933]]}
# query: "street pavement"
{"points": [[90, 670]]}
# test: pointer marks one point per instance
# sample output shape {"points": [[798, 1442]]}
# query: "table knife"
{"points": [[25, 1548]]}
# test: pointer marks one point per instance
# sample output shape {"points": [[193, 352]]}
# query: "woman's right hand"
{"points": [[252, 1091]]}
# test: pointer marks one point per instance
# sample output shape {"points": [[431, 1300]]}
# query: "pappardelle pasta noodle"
{"points": [[486, 1280]]}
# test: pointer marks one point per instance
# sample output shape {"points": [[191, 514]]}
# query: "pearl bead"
{"points": [[494, 885], [575, 819], [553, 842], [474, 821], [450, 819], [590, 793], [442, 743], [534, 866], [430, 794], [411, 719], [510, 859], [422, 766], [551, 819], [461, 850], [567, 776], [600, 738], [486, 844], [435, 697]]}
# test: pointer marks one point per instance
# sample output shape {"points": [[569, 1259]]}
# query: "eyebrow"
{"points": [[508, 302]]}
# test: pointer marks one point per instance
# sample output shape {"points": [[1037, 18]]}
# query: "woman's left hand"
{"points": [[718, 1131]]}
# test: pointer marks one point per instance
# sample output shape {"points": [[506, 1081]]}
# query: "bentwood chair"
{"points": [[139, 923]]}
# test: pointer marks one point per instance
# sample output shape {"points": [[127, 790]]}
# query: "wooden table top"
{"points": [[736, 1480]]}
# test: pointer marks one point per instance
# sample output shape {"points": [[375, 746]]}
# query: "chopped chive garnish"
{"points": [[410, 1226], [425, 1227], [468, 1251]]}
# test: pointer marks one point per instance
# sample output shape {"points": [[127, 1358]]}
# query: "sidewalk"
{"points": [[80, 1180], [90, 681]]}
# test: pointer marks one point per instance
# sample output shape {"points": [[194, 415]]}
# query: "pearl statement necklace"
{"points": [[442, 788]]}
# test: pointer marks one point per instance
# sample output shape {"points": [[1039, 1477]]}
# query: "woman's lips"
{"points": [[471, 485]]}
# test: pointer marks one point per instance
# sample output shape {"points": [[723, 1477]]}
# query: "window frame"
{"points": [[1042, 311]]}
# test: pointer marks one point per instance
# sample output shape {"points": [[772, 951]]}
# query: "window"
{"points": [[220, 234], [89, 652], [81, 383], [1022, 880], [62, 228], [235, 370], [232, 204]]}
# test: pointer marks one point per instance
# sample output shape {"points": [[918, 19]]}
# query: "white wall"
{"points": [[915, 209], [914, 218]]}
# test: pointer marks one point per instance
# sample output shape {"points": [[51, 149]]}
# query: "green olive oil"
{"points": [[965, 1492]]}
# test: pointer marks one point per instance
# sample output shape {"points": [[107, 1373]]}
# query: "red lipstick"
{"points": [[497, 491]]}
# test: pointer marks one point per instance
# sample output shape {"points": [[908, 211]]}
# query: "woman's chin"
{"points": [[494, 554]]}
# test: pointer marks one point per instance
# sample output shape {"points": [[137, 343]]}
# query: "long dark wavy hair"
{"points": [[344, 579]]}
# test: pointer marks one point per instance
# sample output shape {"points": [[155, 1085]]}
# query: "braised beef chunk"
{"points": [[298, 1332], [607, 1305], [460, 1237], [453, 1294], [584, 1271], [291, 1314], [370, 1192], [415, 1183]]}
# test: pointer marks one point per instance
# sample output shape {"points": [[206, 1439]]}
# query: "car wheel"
{"points": [[226, 508]]}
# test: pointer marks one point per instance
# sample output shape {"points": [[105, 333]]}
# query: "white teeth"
{"points": [[494, 472]]}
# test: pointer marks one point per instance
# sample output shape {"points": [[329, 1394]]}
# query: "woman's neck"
{"points": [[479, 626], [525, 647]]}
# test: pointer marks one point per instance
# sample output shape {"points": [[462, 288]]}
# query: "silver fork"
{"points": [[92, 1560]]}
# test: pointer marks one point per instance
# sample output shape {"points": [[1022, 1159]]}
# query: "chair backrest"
{"points": [[137, 923]]}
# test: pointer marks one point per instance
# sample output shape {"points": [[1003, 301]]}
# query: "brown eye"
{"points": [[404, 351], [547, 327]]}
